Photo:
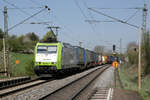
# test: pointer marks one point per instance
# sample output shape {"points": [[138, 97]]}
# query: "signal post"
{"points": [[115, 65]]}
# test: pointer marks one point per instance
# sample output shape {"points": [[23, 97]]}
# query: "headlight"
{"points": [[53, 62], [38, 62]]}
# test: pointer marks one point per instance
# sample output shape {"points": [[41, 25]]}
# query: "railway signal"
{"points": [[114, 48], [115, 65]]}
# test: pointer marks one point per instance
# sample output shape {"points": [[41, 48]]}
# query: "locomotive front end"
{"points": [[47, 58]]}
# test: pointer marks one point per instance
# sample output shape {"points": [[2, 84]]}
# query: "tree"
{"points": [[32, 36], [23, 43], [146, 52], [99, 49], [1, 34], [49, 37], [1, 39], [1, 44], [132, 53], [15, 43], [132, 46]]}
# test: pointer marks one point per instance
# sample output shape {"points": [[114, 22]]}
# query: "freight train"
{"points": [[61, 58], [55, 58]]}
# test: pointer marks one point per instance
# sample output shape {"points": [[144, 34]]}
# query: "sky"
{"points": [[71, 16]]}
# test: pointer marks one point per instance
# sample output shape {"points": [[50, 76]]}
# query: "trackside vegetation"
{"points": [[25, 65], [128, 76], [128, 71], [21, 52]]}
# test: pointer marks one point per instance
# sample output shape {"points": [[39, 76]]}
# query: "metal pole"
{"points": [[80, 44], [57, 32], [115, 78], [120, 46]]}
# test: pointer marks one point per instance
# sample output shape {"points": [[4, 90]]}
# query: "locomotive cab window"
{"points": [[46, 49]]}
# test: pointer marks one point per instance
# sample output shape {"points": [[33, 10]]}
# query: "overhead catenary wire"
{"points": [[118, 8], [44, 22], [82, 12], [16, 7], [133, 15], [25, 8], [121, 21], [116, 19], [90, 14], [84, 15], [77, 4], [35, 2], [98, 21], [134, 8], [126, 20], [63, 27], [27, 18]]}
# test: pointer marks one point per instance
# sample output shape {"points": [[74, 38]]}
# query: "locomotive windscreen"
{"points": [[46, 49], [46, 54]]}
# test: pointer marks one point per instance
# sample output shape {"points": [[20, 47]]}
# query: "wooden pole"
{"points": [[4, 58], [139, 63], [5, 39]]}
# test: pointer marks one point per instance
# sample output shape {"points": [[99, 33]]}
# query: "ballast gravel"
{"points": [[106, 79], [40, 91]]}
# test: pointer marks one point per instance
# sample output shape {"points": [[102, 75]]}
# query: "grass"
{"points": [[128, 77], [19, 69]]}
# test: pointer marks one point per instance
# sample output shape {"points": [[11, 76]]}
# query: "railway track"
{"points": [[10, 82], [69, 88], [19, 87], [73, 90]]}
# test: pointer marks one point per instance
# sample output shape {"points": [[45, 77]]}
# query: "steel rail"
{"points": [[89, 83], [6, 83], [69, 84], [23, 87]]}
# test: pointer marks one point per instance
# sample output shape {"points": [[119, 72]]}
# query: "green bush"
{"points": [[146, 53], [1, 44], [29, 68], [133, 57]]}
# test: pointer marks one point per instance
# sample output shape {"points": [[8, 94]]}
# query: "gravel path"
{"points": [[106, 79], [120, 94]]}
